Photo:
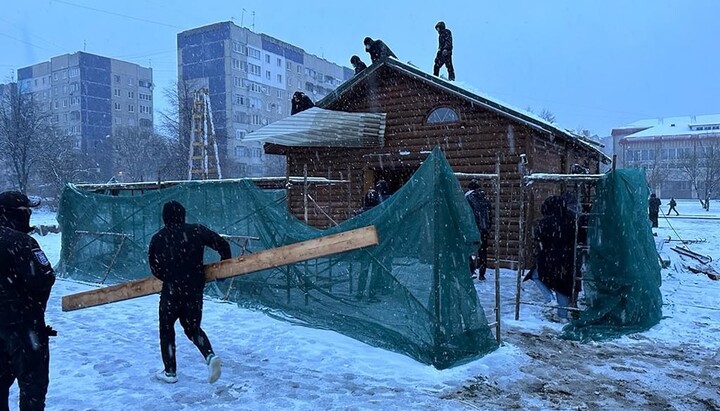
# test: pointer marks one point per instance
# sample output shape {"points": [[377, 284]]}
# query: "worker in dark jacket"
{"points": [[481, 211], [176, 259], [377, 49], [26, 278], [444, 53], [654, 209], [554, 244], [357, 64], [300, 102]]}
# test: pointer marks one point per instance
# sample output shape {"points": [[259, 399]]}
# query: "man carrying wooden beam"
{"points": [[176, 259]]}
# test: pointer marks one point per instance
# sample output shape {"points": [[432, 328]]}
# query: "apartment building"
{"points": [[89, 95], [674, 151], [251, 78]]}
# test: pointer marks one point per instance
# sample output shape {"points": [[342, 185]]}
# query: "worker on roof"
{"points": [[377, 49], [357, 64], [444, 53], [300, 102]]}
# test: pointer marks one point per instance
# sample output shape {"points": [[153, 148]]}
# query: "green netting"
{"points": [[412, 293], [622, 283]]}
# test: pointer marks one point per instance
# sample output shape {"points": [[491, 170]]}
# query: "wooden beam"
{"points": [[274, 257]]}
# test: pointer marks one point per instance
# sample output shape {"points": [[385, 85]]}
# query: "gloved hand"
{"points": [[50, 332]]}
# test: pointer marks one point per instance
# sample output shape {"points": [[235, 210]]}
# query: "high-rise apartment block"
{"points": [[251, 78], [89, 95]]}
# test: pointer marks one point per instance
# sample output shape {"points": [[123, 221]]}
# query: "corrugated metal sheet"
{"points": [[327, 128]]}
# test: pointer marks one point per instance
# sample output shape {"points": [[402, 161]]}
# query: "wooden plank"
{"points": [[274, 257]]}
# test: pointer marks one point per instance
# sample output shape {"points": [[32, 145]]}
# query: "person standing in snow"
{"points": [[357, 64], [377, 49], [26, 278], [554, 237], [382, 188], [672, 204], [300, 102], [654, 209], [176, 259], [444, 53], [481, 211]]}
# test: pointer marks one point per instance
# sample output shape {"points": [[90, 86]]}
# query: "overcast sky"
{"points": [[594, 64]]}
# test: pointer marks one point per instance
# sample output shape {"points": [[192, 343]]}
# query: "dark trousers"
{"points": [[479, 260], [672, 208], [186, 307], [441, 60], [25, 356], [654, 219]]}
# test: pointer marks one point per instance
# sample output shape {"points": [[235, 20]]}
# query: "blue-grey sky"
{"points": [[594, 64]]}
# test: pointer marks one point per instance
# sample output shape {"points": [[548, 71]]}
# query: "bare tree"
{"points": [[547, 115], [139, 153], [702, 167], [64, 163], [25, 133], [176, 125]]}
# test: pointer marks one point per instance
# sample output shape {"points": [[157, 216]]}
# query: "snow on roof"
{"points": [[467, 91], [672, 126]]}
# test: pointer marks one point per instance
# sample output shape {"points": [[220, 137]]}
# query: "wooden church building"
{"points": [[382, 124]]}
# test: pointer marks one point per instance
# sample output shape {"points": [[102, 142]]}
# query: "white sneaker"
{"points": [[168, 377], [214, 368]]}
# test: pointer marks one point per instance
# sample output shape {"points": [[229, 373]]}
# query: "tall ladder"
{"points": [[203, 161]]}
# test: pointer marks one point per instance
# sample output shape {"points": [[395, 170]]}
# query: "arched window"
{"points": [[442, 115]]}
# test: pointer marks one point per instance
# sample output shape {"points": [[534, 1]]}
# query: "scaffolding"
{"points": [[582, 187], [203, 162]]}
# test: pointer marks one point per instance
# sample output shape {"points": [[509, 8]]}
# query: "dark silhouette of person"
{"points": [[654, 209], [377, 50], [26, 278], [357, 64], [554, 243], [300, 102], [176, 259], [481, 212], [383, 189], [672, 204], [444, 53]]}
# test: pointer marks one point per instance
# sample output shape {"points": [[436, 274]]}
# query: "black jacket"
{"points": [[300, 102], [176, 251], [26, 277], [654, 204], [481, 209], [554, 246], [445, 40], [378, 50], [359, 67]]}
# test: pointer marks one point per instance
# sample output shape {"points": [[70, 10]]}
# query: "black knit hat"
{"points": [[474, 185], [16, 199]]}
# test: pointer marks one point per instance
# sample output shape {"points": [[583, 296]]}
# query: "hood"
{"points": [[440, 25], [173, 214], [553, 206], [15, 211]]}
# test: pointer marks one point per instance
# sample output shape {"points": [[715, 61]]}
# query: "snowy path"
{"points": [[104, 358]]}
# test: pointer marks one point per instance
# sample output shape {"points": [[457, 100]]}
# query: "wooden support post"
{"points": [[305, 193], [274, 257], [497, 249]]}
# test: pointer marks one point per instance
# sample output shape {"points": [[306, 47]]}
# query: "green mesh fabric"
{"points": [[622, 283], [412, 293]]}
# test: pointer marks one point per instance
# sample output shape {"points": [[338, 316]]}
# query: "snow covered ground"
{"points": [[104, 358]]}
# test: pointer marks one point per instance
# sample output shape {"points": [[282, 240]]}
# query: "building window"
{"points": [[74, 87], [442, 115], [144, 122], [117, 106], [279, 62], [65, 102], [267, 58], [131, 81], [144, 83], [131, 94], [74, 72], [117, 78], [254, 69], [235, 64], [131, 108], [267, 75], [74, 101], [239, 48], [239, 99], [254, 53], [255, 119], [279, 78], [116, 92], [239, 134]]}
